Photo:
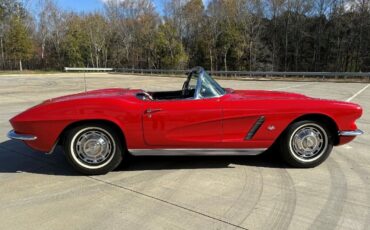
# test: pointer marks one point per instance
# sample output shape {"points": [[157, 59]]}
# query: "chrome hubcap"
{"points": [[94, 147], [308, 142]]}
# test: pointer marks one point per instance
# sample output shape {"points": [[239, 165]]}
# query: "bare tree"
{"points": [[45, 8], [134, 21], [97, 29], [56, 24]]}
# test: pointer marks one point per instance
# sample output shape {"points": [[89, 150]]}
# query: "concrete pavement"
{"points": [[43, 192]]}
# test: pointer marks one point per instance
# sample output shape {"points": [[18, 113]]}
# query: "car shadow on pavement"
{"points": [[16, 157]]}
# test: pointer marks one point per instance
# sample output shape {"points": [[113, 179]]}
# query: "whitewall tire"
{"points": [[93, 149], [306, 144]]}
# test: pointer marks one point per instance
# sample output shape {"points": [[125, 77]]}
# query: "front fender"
{"points": [[47, 121]]}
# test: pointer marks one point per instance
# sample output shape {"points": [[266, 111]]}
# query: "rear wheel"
{"points": [[93, 149], [306, 144]]}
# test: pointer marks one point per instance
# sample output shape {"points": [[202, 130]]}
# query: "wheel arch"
{"points": [[118, 130], [328, 121]]}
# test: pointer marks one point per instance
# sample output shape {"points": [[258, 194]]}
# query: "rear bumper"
{"points": [[345, 137], [24, 137], [350, 133]]}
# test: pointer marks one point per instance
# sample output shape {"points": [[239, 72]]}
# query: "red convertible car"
{"points": [[98, 128]]}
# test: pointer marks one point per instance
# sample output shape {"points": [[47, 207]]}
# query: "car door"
{"points": [[245, 122], [183, 123]]}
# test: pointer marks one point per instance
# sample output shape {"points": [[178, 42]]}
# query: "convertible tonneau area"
{"points": [[168, 95]]}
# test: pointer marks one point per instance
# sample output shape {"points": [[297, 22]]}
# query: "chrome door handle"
{"points": [[150, 111]]}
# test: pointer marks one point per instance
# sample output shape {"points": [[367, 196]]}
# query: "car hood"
{"points": [[267, 94], [101, 93]]}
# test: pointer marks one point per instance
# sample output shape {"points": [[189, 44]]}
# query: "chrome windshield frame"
{"points": [[197, 88]]}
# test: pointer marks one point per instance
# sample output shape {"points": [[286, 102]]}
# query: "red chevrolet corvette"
{"points": [[98, 128]]}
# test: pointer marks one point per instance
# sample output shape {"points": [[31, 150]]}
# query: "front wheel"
{"points": [[93, 149], [306, 144]]}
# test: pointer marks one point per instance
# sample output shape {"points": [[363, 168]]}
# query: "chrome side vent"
{"points": [[255, 128]]}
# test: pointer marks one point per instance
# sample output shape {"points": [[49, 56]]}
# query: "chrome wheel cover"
{"points": [[308, 142], [92, 147]]}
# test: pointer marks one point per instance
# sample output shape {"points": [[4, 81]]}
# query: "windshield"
{"points": [[208, 87], [214, 83], [193, 81]]}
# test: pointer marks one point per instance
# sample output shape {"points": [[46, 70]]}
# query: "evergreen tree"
{"points": [[169, 51], [18, 42]]}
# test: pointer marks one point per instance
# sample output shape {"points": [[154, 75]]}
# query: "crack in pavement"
{"points": [[167, 202], [135, 191]]}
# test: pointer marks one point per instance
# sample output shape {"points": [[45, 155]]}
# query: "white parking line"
{"points": [[294, 86], [358, 93]]}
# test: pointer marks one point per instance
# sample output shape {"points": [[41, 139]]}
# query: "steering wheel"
{"points": [[185, 90], [148, 95]]}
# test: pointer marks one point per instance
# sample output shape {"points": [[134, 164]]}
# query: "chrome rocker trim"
{"points": [[23, 137], [351, 133], [196, 152]]}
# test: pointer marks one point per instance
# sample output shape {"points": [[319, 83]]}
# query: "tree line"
{"points": [[253, 35]]}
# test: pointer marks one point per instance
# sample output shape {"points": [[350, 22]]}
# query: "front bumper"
{"points": [[24, 137], [350, 133]]}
